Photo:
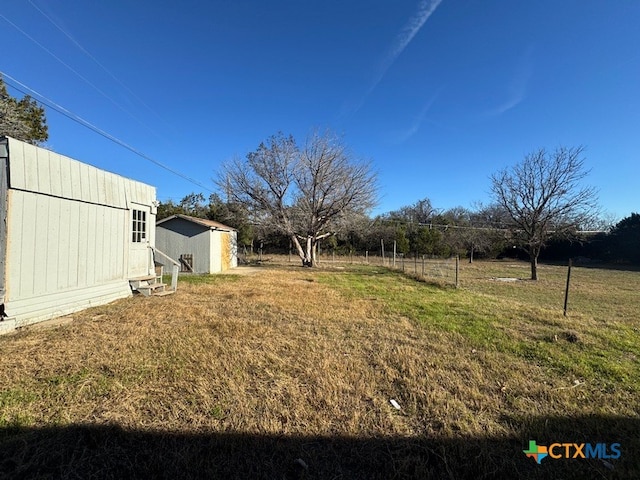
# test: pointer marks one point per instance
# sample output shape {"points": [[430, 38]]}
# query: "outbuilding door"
{"points": [[140, 254]]}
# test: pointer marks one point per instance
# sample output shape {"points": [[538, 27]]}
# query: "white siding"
{"points": [[46, 255], [44, 307], [35, 169], [68, 237]]}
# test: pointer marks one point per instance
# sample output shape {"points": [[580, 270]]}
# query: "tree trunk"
{"points": [[534, 267], [309, 253], [471, 254], [301, 253]]}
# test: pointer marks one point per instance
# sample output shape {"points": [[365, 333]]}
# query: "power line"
{"points": [[92, 57], [76, 118], [397, 222], [497, 226], [84, 79]]}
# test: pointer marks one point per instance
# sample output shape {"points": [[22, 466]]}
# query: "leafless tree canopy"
{"points": [[303, 193], [543, 195]]}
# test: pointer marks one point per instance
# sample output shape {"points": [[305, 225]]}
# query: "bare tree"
{"points": [[301, 192], [418, 213], [543, 195]]}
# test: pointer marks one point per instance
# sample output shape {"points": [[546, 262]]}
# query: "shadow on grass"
{"points": [[593, 264], [88, 451], [621, 267]]}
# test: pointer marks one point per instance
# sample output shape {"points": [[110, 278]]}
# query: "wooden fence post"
{"points": [[394, 254], [566, 291]]}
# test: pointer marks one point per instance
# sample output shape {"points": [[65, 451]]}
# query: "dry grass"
{"points": [[606, 294], [239, 376]]}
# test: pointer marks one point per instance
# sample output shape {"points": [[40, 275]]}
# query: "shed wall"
{"points": [[68, 235], [39, 170], [224, 251], [232, 249], [178, 237], [215, 260], [213, 251], [58, 246]]}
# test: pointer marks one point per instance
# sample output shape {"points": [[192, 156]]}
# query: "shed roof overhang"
{"points": [[199, 221]]}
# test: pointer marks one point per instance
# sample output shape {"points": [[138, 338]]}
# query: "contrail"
{"points": [[425, 10], [517, 88], [402, 40], [88, 54], [415, 126]]}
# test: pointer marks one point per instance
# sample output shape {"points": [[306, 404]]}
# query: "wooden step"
{"points": [[148, 290], [144, 281], [163, 293]]}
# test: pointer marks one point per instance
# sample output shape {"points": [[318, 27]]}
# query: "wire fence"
{"points": [[443, 270], [428, 267]]}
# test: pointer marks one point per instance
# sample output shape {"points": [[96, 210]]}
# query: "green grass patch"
{"points": [[15, 397], [515, 324]]}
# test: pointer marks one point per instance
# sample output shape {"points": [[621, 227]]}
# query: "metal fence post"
{"points": [[566, 292]]}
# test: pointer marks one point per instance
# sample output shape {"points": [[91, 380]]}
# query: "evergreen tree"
{"points": [[625, 240], [22, 119]]}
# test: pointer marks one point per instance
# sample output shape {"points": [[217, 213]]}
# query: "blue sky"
{"points": [[437, 94]]}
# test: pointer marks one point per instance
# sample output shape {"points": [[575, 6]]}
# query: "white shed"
{"points": [[201, 245], [71, 235]]}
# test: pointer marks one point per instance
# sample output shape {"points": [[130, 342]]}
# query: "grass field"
{"points": [[289, 373]]}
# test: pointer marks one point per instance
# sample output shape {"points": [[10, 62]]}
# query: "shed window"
{"points": [[139, 226]]}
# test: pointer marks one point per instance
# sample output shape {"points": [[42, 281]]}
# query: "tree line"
{"points": [[420, 229]]}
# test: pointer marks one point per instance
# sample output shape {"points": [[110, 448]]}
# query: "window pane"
{"points": [[137, 226]]}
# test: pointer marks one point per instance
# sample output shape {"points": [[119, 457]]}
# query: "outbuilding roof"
{"points": [[200, 221]]}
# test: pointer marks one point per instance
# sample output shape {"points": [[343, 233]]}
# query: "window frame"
{"points": [[139, 226]]}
